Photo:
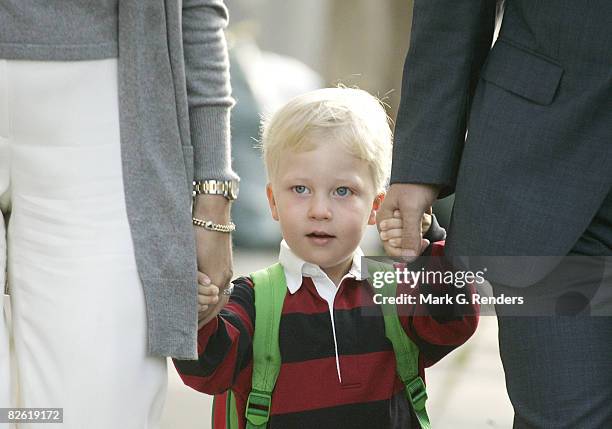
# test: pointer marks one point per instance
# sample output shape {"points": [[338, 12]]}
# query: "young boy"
{"points": [[327, 155]]}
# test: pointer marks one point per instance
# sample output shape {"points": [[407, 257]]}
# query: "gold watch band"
{"points": [[227, 188]]}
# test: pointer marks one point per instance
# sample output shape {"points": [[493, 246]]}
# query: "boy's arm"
{"points": [[224, 344], [439, 328]]}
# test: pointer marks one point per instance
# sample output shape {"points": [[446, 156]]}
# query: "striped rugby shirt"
{"points": [[338, 368]]}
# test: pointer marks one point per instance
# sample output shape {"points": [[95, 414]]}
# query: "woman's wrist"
{"points": [[215, 208]]}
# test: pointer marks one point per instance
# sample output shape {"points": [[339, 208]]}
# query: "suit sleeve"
{"points": [[208, 87], [224, 345], [449, 43]]}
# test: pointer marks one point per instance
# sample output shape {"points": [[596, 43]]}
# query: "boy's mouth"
{"points": [[319, 234], [320, 238]]}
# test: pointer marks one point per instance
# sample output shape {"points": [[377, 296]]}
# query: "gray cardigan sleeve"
{"points": [[208, 87]]}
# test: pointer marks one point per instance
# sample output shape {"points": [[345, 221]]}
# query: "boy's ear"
{"points": [[271, 201], [375, 206]]}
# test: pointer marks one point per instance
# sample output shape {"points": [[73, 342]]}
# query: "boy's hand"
{"points": [[391, 233], [210, 301]]}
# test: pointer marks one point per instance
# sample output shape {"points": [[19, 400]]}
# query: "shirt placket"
{"points": [[328, 291]]}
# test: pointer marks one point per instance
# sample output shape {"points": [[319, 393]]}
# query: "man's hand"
{"points": [[214, 249], [409, 202], [391, 231], [210, 302]]}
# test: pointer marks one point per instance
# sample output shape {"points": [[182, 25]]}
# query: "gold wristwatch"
{"points": [[227, 188]]}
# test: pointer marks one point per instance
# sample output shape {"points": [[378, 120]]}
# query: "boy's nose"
{"points": [[319, 209]]}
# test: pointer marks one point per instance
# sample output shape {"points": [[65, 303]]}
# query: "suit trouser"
{"points": [[559, 369], [78, 309]]}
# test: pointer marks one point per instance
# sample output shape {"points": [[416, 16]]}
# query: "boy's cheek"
{"points": [[287, 223]]}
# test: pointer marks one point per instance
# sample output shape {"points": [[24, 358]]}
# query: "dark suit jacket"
{"points": [[537, 107]]}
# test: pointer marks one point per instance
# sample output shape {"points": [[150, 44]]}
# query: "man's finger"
{"points": [[391, 251], [390, 224], [396, 243], [391, 233]]}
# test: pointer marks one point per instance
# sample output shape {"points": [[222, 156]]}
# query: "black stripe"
{"points": [[386, 414], [217, 348], [244, 295], [304, 337], [435, 231], [359, 332], [433, 352], [309, 336]]}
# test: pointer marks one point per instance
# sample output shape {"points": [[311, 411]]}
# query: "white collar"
{"points": [[295, 267]]}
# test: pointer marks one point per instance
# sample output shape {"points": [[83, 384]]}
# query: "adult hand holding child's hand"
{"points": [[405, 215], [210, 301]]}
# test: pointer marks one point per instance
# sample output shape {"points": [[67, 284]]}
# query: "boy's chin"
{"points": [[329, 263], [325, 256]]}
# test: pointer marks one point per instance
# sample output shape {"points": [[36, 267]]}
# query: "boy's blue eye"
{"points": [[343, 191], [300, 189]]}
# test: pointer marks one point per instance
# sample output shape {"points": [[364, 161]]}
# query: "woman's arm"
{"points": [[209, 102], [208, 87]]}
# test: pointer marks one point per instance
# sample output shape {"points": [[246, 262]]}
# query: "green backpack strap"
{"points": [[406, 352], [270, 292]]}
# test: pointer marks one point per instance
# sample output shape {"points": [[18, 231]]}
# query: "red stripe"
{"points": [[354, 294], [314, 384], [219, 411], [305, 300], [437, 248]]}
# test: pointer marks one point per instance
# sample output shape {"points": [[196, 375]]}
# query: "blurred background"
{"points": [[278, 49]]}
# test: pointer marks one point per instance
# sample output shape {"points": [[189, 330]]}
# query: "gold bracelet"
{"points": [[211, 226]]}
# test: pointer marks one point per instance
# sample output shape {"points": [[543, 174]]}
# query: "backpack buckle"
{"points": [[257, 410], [417, 395]]}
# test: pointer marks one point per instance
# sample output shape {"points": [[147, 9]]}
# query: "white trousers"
{"points": [[78, 309]]}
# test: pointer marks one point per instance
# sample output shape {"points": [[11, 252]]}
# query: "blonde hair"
{"points": [[352, 117]]}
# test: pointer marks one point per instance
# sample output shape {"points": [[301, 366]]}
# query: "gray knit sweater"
{"points": [[58, 30], [174, 104]]}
